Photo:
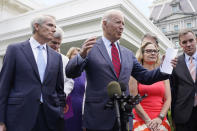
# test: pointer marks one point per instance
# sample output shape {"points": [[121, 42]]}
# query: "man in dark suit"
{"points": [[184, 110], [104, 60], [31, 82]]}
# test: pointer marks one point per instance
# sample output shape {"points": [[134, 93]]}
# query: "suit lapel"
{"points": [[184, 68], [105, 54], [123, 57], [49, 60], [30, 57]]}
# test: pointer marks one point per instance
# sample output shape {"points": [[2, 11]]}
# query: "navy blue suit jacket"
{"points": [[99, 72], [21, 88]]}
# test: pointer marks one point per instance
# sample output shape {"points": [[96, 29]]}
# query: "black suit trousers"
{"points": [[41, 124], [189, 125]]}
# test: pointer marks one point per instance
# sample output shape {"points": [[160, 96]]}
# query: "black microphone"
{"points": [[113, 89], [123, 87], [114, 92]]}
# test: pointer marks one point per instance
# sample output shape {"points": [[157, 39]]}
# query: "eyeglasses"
{"points": [[150, 51]]}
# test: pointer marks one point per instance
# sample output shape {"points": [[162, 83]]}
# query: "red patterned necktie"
{"points": [[115, 59]]}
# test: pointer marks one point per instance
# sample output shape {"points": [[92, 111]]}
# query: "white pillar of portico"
{"points": [[81, 20]]}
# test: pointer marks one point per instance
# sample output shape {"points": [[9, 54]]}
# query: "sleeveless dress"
{"points": [[74, 122], [152, 105]]}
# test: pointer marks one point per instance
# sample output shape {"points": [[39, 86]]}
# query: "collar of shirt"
{"points": [[108, 42], [108, 46], [194, 56], [187, 59], [34, 44]]}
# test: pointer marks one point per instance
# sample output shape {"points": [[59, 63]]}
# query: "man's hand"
{"points": [[88, 44], [174, 62], [2, 127]]}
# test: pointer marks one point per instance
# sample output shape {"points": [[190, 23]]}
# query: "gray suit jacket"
{"points": [[99, 72], [21, 88], [184, 89]]}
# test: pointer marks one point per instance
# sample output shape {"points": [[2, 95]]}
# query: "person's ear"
{"points": [[104, 23], [36, 26]]}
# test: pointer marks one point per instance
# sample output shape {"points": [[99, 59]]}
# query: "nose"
{"points": [[53, 29], [188, 43], [57, 46], [122, 26]]}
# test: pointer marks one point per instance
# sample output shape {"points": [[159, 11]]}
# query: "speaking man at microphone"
{"points": [[105, 60]]}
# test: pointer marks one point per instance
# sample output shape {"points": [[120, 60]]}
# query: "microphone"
{"points": [[123, 96], [114, 92], [113, 89], [123, 87]]}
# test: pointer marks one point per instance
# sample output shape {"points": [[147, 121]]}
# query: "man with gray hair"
{"points": [[55, 44], [104, 61], [32, 94]]}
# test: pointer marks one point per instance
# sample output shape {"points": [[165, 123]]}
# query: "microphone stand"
{"points": [[117, 114], [127, 104], [123, 105]]}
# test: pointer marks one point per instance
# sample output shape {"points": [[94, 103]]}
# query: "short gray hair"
{"points": [[149, 34], [40, 20], [58, 33], [108, 14]]}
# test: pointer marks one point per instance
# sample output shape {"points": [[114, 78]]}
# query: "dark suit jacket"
{"points": [[99, 72], [184, 92], [20, 88]]}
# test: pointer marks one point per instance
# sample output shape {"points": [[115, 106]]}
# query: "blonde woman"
{"points": [[150, 114]]}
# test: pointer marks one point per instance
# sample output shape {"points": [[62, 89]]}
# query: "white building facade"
{"points": [[171, 16], [80, 19]]}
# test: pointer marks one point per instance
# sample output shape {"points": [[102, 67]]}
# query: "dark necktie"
{"points": [[115, 59]]}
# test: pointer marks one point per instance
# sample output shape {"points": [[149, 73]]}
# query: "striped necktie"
{"points": [[115, 59], [192, 68]]}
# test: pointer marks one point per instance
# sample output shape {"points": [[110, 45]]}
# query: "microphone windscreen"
{"points": [[113, 88], [123, 87]]}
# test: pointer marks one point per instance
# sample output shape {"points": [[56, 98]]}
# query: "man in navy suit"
{"points": [[97, 59], [184, 84], [31, 82]]}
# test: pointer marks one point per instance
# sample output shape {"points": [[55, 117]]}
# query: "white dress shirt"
{"points": [[68, 83], [34, 44]]}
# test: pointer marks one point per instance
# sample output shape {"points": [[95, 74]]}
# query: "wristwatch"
{"points": [[161, 116]]}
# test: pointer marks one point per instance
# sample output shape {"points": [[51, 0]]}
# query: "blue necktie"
{"points": [[41, 62]]}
